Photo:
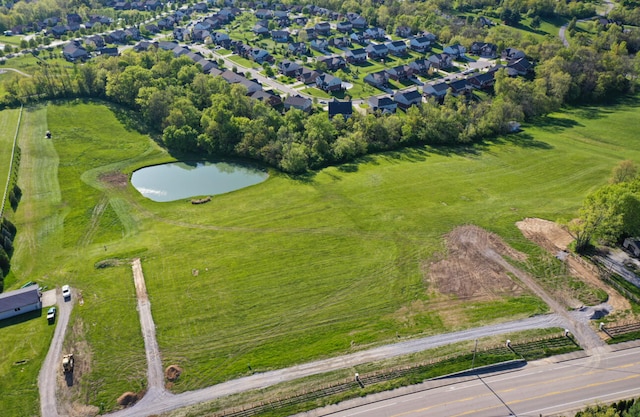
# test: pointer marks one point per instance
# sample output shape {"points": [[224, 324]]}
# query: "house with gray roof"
{"points": [[24, 300]]}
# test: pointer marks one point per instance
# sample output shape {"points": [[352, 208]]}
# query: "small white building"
{"points": [[24, 300]]}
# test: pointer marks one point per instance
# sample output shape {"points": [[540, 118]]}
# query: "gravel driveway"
{"points": [[47, 379]]}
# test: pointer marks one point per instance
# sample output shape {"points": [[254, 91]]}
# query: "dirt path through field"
{"points": [[155, 376]]}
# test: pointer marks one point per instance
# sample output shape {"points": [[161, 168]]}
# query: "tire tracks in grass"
{"points": [[96, 215]]}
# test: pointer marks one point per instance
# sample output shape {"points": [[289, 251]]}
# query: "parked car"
{"points": [[66, 292], [51, 314]]}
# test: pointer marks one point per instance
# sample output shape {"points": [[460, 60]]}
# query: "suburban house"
{"points": [[267, 97], [437, 91], [95, 41], [482, 81], [110, 51], [397, 48], [344, 27], [441, 61], [520, 67], [327, 82], [456, 51], [73, 51], [459, 87], [345, 108], [357, 21], [420, 44], [355, 56], [167, 45], [289, 68], [377, 79], [280, 35], [512, 54], [332, 63], [264, 14], [298, 102], [178, 51], [221, 38], [298, 48], [300, 20], [311, 34], [430, 36], [484, 49], [59, 30], [308, 76], [24, 300], [323, 28], [207, 65], [233, 78], [358, 38], [319, 44], [406, 99], [375, 33], [382, 104], [341, 42], [631, 244], [377, 51], [400, 72], [152, 28], [194, 56], [260, 55], [260, 29], [420, 66], [144, 46]]}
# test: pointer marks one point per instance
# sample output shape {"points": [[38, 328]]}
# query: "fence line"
{"points": [[13, 154]]}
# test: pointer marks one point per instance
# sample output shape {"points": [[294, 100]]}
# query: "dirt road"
{"points": [[48, 377], [155, 376]]}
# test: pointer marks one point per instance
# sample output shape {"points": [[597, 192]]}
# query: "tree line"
{"points": [[610, 213], [195, 112]]}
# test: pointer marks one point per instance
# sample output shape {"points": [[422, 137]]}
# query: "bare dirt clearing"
{"points": [[467, 273], [114, 179], [553, 238]]}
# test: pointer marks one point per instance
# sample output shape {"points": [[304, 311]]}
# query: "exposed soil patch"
{"points": [[555, 239], [467, 273], [68, 384], [114, 179], [172, 372]]}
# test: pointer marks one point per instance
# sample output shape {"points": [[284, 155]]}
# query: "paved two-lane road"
{"points": [[538, 389]]}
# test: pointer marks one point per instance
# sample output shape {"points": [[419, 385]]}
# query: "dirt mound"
{"points": [[554, 239], [114, 179], [545, 233], [172, 372], [470, 270], [127, 399]]}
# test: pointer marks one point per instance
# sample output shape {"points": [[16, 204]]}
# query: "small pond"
{"points": [[178, 180]]}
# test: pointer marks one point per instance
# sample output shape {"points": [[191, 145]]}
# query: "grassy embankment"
{"points": [[293, 269]]}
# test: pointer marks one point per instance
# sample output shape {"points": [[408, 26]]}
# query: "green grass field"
{"points": [[9, 121], [290, 270]]}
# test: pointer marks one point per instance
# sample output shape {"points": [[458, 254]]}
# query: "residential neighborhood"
{"points": [[311, 55]]}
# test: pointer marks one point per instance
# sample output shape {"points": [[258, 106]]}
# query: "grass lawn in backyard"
{"points": [[25, 341], [247, 63], [293, 269]]}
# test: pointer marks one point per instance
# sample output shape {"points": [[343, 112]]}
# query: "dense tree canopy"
{"points": [[611, 212]]}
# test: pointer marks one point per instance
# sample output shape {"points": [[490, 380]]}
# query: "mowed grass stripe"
{"points": [[8, 121]]}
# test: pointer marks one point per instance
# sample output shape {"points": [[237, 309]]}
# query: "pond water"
{"points": [[178, 180]]}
